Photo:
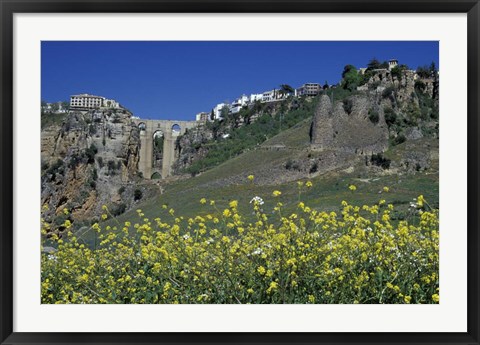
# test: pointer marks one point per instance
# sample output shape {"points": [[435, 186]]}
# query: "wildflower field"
{"points": [[357, 255]]}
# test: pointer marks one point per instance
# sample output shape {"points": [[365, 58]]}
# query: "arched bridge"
{"points": [[170, 130]]}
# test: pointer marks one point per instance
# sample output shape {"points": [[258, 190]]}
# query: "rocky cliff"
{"points": [[345, 126], [87, 161], [191, 147], [385, 112]]}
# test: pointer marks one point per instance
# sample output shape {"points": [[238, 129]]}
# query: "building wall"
{"points": [[217, 110], [309, 89], [86, 101], [91, 102]]}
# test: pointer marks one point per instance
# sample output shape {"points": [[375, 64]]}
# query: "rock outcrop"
{"points": [[88, 161], [191, 147], [346, 126]]}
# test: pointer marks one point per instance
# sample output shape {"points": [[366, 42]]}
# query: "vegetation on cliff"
{"points": [[249, 128]]}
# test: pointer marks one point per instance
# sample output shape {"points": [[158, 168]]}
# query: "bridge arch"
{"points": [[142, 126], [156, 176], [176, 129]]}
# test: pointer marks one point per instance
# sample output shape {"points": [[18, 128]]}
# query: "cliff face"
{"points": [[191, 147], [345, 126], [86, 160], [382, 114]]}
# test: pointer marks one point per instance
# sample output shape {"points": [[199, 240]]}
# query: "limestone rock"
{"points": [[351, 132], [86, 160]]}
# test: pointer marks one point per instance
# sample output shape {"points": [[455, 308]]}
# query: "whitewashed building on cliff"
{"points": [[86, 101]]}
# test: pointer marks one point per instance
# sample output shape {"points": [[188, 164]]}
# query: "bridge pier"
{"points": [[170, 135]]}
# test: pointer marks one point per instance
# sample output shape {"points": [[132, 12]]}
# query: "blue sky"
{"points": [[177, 79]]}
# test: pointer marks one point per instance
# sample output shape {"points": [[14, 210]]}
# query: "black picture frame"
{"points": [[10, 7]]}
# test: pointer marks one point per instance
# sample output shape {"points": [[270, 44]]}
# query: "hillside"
{"points": [[383, 135], [369, 138], [229, 180]]}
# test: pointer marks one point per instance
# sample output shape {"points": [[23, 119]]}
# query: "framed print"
{"points": [[253, 172]]}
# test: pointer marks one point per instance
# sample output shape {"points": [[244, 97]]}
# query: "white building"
{"points": [[111, 103], [217, 111], [309, 89], [392, 63], [87, 101], [56, 108], [269, 96], [256, 97], [202, 117], [239, 103]]}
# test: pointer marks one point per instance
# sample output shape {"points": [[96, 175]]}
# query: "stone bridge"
{"points": [[170, 130]]}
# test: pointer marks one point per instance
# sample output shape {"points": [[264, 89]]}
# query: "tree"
{"points": [[73, 163], [347, 69], [373, 64], [224, 112], [384, 64], [351, 78], [423, 72], [398, 70], [55, 107], [90, 153], [286, 89], [246, 115], [326, 86], [214, 127]]}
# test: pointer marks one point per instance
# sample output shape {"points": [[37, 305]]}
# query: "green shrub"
{"points": [[379, 160], [388, 92], [137, 194], [100, 162], [57, 168], [420, 86], [90, 153], [118, 209], [390, 116], [373, 116], [398, 140], [348, 105]]}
